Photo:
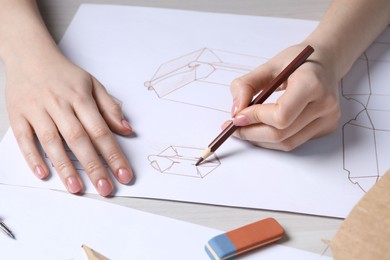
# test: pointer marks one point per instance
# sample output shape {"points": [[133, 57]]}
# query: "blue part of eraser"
{"points": [[220, 247]]}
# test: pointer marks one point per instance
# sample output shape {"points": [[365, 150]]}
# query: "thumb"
{"points": [[244, 88], [260, 113]]}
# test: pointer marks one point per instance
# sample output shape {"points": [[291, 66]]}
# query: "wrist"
{"points": [[326, 57], [23, 34], [347, 29]]}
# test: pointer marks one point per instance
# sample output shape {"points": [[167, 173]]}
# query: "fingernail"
{"points": [[126, 125], [124, 175], [40, 172], [234, 108], [241, 120], [74, 185], [104, 187]]}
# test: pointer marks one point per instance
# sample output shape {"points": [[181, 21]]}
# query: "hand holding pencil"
{"points": [[308, 108]]}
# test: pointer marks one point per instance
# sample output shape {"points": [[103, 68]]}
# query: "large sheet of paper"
{"points": [[171, 70], [54, 225]]}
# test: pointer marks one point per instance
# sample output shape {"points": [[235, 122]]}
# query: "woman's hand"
{"points": [[57, 101], [308, 108], [50, 98]]}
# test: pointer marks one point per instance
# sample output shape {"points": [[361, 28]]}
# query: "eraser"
{"points": [[244, 239]]}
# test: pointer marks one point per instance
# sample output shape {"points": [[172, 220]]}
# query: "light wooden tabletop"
{"points": [[303, 231]]}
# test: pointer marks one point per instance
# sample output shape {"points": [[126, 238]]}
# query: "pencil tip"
{"points": [[199, 161], [206, 153]]}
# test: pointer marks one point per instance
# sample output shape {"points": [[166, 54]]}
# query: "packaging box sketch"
{"points": [[207, 71], [181, 161], [367, 126]]}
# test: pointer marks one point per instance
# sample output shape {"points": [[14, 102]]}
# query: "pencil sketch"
{"points": [[368, 89], [179, 160], [202, 71], [211, 71]]}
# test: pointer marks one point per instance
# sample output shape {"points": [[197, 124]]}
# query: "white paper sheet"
{"points": [[170, 70], [54, 225]]}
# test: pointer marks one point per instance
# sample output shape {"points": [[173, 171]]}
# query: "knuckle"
{"points": [[100, 132], [113, 157], [48, 137], [58, 101], [80, 98], [274, 135], [281, 119], [93, 167], [113, 108], [240, 134], [74, 134], [236, 83], [314, 85], [287, 146], [30, 156], [242, 84], [255, 115], [63, 166], [20, 136], [27, 150]]}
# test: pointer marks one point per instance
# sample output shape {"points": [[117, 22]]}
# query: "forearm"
{"points": [[23, 35], [348, 28]]}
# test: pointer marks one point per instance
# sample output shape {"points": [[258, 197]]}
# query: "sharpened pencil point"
{"points": [[206, 153], [199, 161]]}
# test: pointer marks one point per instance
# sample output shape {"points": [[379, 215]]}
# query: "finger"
{"points": [[266, 133], [309, 132], [314, 129], [103, 140], [110, 109], [52, 144], [80, 144], [297, 95], [26, 140], [244, 88]]}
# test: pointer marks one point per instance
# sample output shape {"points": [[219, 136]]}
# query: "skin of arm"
{"points": [[309, 107], [51, 98]]}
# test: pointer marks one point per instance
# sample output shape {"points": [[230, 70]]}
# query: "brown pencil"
{"points": [[274, 84]]}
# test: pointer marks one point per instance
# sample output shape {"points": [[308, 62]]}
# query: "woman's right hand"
{"points": [[308, 108]]}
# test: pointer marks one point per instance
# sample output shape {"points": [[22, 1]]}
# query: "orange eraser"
{"points": [[244, 239]]}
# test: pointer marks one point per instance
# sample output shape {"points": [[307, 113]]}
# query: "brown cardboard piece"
{"points": [[365, 233]]}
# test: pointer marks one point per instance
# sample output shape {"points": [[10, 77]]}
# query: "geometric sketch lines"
{"points": [[179, 160], [369, 92], [208, 71]]}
